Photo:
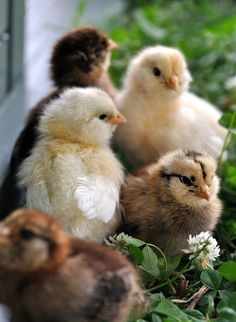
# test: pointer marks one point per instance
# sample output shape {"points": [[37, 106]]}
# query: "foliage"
{"points": [[178, 289], [204, 30], [176, 285]]}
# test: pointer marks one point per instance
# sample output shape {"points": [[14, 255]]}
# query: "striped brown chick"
{"points": [[46, 276], [176, 197], [80, 58]]}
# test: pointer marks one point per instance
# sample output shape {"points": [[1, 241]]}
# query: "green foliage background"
{"points": [[206, 32]]}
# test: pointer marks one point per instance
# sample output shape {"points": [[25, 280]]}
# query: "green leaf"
{"points": [[226, 315], [226, 293], [211, 278], [133, 241], [224, 302], [224, 298], [155, 318], [145, 275], [150, 261], [232, 301], [135, 254], [228, 271], [228, 301], [226, 119], [171, 310], [195, 315], [154, 300], [173, 263], [150, 257]]}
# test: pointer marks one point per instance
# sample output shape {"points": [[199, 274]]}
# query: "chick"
{"points": [[46, 276], [80, 58], [72, 173], [162, 114], [176, 197]]}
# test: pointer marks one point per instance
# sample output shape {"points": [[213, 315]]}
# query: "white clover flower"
{"points": [[203, 247]]}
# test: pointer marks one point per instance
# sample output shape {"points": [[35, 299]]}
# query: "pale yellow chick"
{"points": [[71, 173], [162, 114]]}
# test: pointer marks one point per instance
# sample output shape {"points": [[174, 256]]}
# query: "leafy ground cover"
{"points": [[180, 289]]}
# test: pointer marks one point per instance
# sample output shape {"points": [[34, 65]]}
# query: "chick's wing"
{"points": [[97, 197]]}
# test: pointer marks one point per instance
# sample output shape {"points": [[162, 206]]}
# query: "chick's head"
{"points": [[80, 57], [30, 240], [87, 115], [190, 177], [159, 71]]}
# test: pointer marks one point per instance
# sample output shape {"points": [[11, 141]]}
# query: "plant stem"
{"points": [[162, 254], [168, 281]]}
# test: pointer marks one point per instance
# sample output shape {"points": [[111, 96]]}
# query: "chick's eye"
{"points": [[156, 71], [186, 181], [27, 234], [102, 117]]}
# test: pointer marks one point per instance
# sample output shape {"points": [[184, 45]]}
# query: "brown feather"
{"points": [[153, 214], [79, 281]]}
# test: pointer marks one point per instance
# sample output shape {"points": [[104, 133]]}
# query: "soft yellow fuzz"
{"points": [[73, 146], [161, 118]]}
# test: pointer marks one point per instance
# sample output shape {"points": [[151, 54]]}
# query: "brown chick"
{"points": [[46, 276], [175, 197], [80, 58]]}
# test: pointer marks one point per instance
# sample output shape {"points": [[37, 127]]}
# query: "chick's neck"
{"points": [[63, 136]]}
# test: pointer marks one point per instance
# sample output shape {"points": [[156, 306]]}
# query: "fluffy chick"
{"points": [[80, 58], [162, 114], [46, 276], [177, 196], [72, 173]]}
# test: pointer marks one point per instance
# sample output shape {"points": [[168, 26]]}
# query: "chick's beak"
{"points": [[203, 192], [117, 119], [172, 82], [112, 45]]}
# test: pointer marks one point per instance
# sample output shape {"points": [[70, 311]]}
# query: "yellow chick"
{"points": [[162, 114], [176, 197], [71, 172]]}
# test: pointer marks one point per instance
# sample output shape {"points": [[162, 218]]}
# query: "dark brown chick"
{"points": [[46, 276], [80, 58], [176, 197]]}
